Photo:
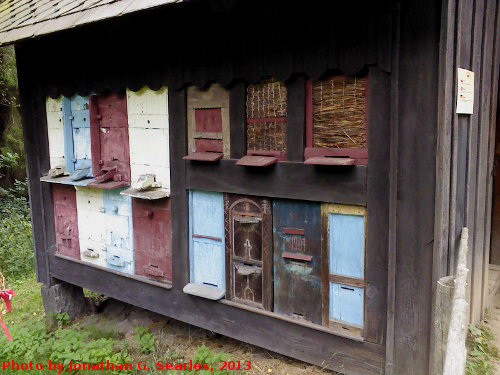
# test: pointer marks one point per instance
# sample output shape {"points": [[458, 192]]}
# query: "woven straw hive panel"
{"points": [[267, 100], [339, 113]]}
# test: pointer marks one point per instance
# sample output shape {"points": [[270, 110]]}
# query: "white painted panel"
{"points": [[55, 131], [54, 105], [148, 121], [149, 146], [148, 102], [95, 247], [82, 146]]}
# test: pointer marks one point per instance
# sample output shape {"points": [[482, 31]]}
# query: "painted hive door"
{"points": [[297, 259], [148, 132], [346, 244], [55, 130], [91, 225], [153, 238], [206, 230], [110, 140], [208, 120], [249, 241], [119, 231], [77, 133], [66, 220]]}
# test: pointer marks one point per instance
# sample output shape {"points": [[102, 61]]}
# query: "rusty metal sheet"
{"points": [[66, 220], [297, 259], [249, 245], [153, 238]]}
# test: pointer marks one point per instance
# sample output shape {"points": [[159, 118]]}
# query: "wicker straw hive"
{"points": [[267, 100], [339, 113]]}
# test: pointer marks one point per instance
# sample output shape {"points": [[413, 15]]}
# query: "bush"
{"points": [[17, 258]]}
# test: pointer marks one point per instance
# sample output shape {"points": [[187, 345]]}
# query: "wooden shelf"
{"points": [[209, 157], [257, 161]]}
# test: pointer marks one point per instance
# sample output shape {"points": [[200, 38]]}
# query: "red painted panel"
{"points": [[66, 220], [360, 155], [204, 156], [153, 238], [208, 120], [109, 132], [210, 145]]}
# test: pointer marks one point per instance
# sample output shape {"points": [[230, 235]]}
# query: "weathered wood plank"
{"points": [[283, 179], [296, 127], [314, 346]]}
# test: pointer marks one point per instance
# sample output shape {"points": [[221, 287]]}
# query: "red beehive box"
{"points": [[153, 238], [66, 220], [110, 141]]}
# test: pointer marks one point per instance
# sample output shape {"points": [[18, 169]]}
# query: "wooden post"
{"points": [[442, 315], [456, 353]]}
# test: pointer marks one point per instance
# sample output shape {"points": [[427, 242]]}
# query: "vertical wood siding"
{"points": [[148, 134], [55, 129], [77, 133], [297, 259], [91, 225], [119, 231]]}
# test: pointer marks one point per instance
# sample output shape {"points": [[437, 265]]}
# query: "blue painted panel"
{"points": [[207, 255], [347, 244], [77, 146], [119, 231], [346, 303]]}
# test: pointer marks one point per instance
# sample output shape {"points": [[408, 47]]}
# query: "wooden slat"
{"points": [[177, 104], [256, 161], [341, 279], [419, 43], [204, 156], [296, 127], [284, 179]]}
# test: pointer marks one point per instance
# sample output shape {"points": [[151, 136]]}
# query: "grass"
{"points": [[482, 351]]}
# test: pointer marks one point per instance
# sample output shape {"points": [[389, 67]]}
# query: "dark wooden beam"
{"points": [[177, 107], [237, 116], [296, 127], [307, 344], [344, 184]]}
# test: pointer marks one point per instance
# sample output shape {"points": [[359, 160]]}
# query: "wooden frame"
{"points": [[239, 208], [329, 277], [360, 155], [215, 97]]}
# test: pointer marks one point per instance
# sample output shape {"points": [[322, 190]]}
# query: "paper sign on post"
{"points": [[465, 95]]}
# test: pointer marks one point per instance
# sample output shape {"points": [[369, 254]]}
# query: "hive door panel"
{"points": [[153, 238], [55, 130], [110, 138], [248, 237], [66, 221], [346, 303], [148, 134], [346, 254], [77, 133], [91, 225], [208, 120], [347, 244], [207, 253], [119, 231], [297, 259]]}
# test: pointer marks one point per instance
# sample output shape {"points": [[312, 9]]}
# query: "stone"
{"points": [[64, 297]]}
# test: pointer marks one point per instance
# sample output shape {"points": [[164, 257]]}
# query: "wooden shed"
{"points": [[291, 174]]}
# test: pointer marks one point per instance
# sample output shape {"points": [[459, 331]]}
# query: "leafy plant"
{"points": [[482, 351], [145, 339]]}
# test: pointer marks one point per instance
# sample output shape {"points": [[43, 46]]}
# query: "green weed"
{"points": [[482, 351]]}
